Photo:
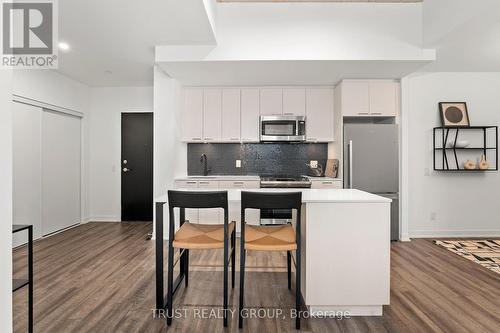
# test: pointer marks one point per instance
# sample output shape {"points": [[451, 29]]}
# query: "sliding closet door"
{"points": [[26, 172], [61, 164]]}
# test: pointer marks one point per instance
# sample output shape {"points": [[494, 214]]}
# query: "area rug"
{"points": [[483, 252]]}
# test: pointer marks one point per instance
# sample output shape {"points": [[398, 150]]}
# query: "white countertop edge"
{"points": [[309, 195]]}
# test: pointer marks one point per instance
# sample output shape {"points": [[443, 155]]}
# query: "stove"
{"points": [[280, 216], [285, 182]]}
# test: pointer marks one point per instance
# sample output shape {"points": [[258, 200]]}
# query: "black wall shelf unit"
{"points": [[444, 141]]}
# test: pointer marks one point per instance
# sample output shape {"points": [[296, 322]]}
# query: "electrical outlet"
{"points": [[433, 216], [238, 163], [314, 164]]}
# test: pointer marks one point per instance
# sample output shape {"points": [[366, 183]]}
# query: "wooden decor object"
{"points": [[469, 165], [483, 164], [332, 168]]}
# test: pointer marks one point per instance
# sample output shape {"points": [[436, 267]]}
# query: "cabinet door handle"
{"points": [[288, 113], [209, 139], [235, 139], [327, 183], [196, 139], [312, 139], [238, 183], [190, 182], [204, 183], [365, 113], [377, 113]]}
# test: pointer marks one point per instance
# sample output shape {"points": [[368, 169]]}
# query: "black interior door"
{"points": [[137, 166]]}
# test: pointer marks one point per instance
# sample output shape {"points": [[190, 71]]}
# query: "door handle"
{"points": [[126, 169], [350, 164]]}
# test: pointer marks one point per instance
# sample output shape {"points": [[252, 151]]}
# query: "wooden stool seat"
{"points": [[201, 236], [270, 238]]}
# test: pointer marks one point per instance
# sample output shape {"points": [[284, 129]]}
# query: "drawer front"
{"points": [[328, 184], [228, 184], [208, 184], [186, 184]]}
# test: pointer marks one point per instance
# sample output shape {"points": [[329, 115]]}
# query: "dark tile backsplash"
{"points": [[256, 158]]}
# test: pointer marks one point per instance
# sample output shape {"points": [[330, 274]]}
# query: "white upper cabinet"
{"points": [[250, 115], [212, 114], [294, 102], [372, 98], [383, 98], [355, 98], [319, 115], [192, 115], [271, 101], [231, 115]]}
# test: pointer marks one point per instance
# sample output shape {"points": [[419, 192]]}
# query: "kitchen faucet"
{"points": [[204, 160]]}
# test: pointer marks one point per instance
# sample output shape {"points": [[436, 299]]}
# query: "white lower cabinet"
{"points": [[191, 215], [216, 215], [333, 183], [209, 215]]}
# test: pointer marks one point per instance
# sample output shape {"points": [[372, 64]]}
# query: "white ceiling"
{"points": [[465, 33], [119, 36]]}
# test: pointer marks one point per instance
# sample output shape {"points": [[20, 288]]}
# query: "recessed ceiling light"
{"points": [[63, 46]]}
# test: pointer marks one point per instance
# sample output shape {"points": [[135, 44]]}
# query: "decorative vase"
{"points": [[483, 165], [469, 165]]}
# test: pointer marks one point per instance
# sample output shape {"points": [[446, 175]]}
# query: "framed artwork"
{"points": [[454, 114]]}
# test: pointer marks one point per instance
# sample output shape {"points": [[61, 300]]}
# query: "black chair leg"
{"points": [[298, 294], [242, 286], [289, 267], [186, 267], [233, 257], [226, 267], [170, 283]]}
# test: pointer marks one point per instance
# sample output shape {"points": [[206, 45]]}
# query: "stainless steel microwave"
{"points": [[282, 128]]}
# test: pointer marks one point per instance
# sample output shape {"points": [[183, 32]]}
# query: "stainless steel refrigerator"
{"points": [[371, 163]]}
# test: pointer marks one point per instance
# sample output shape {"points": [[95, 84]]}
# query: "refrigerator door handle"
{"points": [[350, 162]]}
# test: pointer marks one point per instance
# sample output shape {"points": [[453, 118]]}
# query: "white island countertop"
{"points": [[308, 195]]}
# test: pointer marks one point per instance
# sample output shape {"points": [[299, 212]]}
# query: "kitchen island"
{"points": [[345, 249]]}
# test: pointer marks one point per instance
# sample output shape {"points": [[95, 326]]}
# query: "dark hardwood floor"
{"points": [[99, 277]]}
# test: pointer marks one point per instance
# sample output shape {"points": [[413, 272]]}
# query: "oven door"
{"points": [[282, 128], [275, 216]]}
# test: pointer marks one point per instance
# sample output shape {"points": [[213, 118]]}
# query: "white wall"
{"points": [[170, 155], [106, 106], [5, 201], [463, 204]]}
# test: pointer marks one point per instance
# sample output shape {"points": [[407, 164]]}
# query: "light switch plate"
{"points": [[314, 164], [238, 163]]}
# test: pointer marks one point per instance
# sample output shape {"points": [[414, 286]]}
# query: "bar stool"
{"points": [[271, 238], [198, 236]]}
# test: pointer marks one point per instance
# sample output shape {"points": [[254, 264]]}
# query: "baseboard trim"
{"points": [[104, 218], [454, 233], [405, 238]]}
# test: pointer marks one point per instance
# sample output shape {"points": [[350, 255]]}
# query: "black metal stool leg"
{"points": [[233, 257], [226, 267], [170, 283], [186, 267], [242, 286], [298, 295], [289, 267]]}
